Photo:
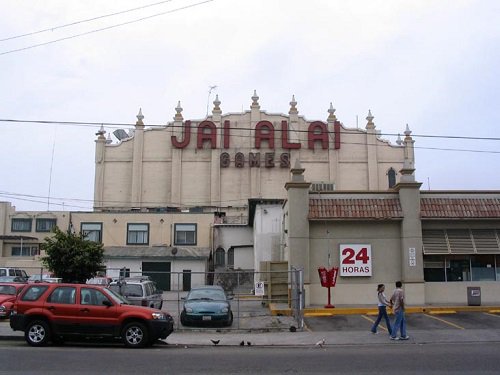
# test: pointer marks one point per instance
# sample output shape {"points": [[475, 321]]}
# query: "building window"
{"points": [[45, 225], [483, 268], [434, 268], [220, 257], [137, 234], [124, 272], [21, 225], [230, 257], [92, 232], [461, 268], [185, 234], [25, 251], [391, 175]]}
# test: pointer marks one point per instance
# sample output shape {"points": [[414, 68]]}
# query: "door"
{"points": [[158, 272], [186, 280]]}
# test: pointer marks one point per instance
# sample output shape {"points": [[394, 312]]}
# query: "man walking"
{"points": [[398, 307]]}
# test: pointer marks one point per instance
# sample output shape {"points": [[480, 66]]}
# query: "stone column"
{"points": [[176, 180], [371, 147], [298, 223], [333, 158], [137, 160], [215, 176], [99, 169], [412, 270], [255, 191]]}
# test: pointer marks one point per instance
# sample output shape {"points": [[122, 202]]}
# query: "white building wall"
{"points": [[243, 258], [267, 233], [239, 236]]}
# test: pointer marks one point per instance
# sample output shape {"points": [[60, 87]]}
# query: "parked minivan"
{"points": [[139, 290], [8, 271]]}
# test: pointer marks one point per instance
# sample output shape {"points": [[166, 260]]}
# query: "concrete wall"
{"points": [[244, 258], [439, 293], [325, 239], [239, 237]]}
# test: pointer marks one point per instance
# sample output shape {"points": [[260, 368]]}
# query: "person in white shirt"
{"points": [[382, 309]]}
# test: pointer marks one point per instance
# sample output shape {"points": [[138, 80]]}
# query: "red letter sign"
{"points": [[355, 260]]}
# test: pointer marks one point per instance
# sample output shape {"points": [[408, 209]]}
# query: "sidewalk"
{"points": [[305, 338]]}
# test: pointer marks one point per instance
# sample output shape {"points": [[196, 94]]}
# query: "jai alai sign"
{"points": [[264, 134]]}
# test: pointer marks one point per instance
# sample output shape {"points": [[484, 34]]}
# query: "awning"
{"points": [[156, 252], [18, 238]]}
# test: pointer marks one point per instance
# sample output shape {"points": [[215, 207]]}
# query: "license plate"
{"points": [[205, 317]]}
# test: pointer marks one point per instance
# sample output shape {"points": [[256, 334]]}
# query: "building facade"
{"points": [[232, 191], [442, 244], [222, 161]]}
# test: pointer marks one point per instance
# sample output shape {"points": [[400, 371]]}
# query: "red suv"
{"points": [[51, 312]]}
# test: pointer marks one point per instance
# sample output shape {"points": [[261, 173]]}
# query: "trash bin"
{"points": [[474, 296]]}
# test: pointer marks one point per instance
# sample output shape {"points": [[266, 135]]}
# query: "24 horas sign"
{"points": [[355, 260]]}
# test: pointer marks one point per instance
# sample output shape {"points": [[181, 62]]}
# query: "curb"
{"points": [[321, 311]]}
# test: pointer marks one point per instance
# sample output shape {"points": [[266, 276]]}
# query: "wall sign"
{"points": [[259, 288], [355, 260], [412, 257]]}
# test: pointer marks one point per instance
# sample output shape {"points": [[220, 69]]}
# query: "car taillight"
{"points": [[144, 302]]}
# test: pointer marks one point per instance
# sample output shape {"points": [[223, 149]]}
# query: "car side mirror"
{"points": [[230, 297], [107, 303]]}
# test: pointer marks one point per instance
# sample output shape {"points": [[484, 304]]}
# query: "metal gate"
{"points": [[297, 297]]}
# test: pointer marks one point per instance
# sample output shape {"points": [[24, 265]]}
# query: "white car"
{"points": [[44, 278]]}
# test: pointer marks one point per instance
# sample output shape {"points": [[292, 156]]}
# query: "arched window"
{"points": [[230, 257], [220, 257], [391, 175]]}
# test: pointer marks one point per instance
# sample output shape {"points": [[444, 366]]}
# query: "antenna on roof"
{"points": [[210, 89]]}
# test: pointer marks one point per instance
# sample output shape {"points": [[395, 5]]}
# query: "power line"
{"points": [[131, 125], [105, 28], [85, 20]]}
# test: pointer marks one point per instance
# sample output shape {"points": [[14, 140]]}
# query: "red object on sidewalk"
{"points": [[328, 279]]}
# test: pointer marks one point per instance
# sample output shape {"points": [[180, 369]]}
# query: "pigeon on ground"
{"points": [[249, 343], [293, 329], [321, 342], [242, 343], [215, 342]]}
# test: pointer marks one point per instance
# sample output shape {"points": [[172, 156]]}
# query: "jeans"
{"points": [[382, 313], [399, 323]]}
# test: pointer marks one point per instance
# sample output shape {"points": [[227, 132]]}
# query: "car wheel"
{"points": [[37, 333], [184, 321], [229, 322], [135, 335]]}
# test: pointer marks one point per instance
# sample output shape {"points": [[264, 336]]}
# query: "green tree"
{"points": [[71, 257]]}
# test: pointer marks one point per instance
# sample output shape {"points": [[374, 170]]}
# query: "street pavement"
{"points": [[283, 332]]}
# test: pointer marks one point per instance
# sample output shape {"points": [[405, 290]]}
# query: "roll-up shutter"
{"points": [[461, 241], [486, 241], [435, 241]]}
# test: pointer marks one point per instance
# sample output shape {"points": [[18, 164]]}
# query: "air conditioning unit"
{"points": [[322, 187]]}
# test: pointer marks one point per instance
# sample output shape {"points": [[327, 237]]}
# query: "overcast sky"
{"points": [[432, 64]]}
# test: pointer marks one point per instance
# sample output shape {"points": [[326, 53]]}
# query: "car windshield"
{"points": [[206, 294], [117, 297], [8, 289]]}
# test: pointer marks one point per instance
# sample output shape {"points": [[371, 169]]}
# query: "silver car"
{"points": [[139, 291]]}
